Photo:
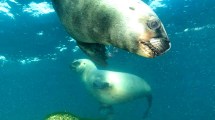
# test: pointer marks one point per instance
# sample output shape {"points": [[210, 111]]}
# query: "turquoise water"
{"points": [[35, 53]]}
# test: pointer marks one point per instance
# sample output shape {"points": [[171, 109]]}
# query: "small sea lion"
{"points": [[111, 87]]}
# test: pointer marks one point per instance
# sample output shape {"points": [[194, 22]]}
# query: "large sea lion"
{"points": [[111, 87], [127, 24]]}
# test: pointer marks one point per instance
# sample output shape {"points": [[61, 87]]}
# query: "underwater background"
{"points": [[35, 53]]}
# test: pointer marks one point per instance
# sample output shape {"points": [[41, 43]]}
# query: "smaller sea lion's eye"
{"points": [[154, 24]]}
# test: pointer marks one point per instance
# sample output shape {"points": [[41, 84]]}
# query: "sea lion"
{"points": [[127, 24], [111, 87]]}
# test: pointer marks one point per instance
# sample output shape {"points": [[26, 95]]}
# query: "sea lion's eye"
{"points": [[154, 24]]}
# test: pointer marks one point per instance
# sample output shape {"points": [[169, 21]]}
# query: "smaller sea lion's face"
{"points": [[81, 65], [78, 65], [154, 40]]}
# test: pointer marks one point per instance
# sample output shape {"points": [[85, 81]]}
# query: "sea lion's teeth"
{"points": [[151, 47]]}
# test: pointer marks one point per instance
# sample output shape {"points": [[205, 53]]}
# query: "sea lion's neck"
{"points": [[87, 71]]}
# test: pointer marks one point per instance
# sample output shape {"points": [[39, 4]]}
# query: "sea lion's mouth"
{"points": [[156, 46], [151, 47], [74, 65]]}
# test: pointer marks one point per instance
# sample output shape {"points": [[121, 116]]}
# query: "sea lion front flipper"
{"points": [[97, 52], [98, 84], [99, 81], [107, 111]]}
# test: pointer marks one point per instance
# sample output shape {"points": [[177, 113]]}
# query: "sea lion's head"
{"points": [[82, 65], [153, 39]]}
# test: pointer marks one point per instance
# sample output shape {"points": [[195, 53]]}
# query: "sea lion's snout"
{"points": [[154, 47], [81, 64], [159, 46], [74, 64]]}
